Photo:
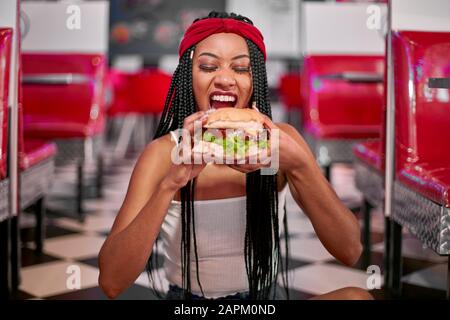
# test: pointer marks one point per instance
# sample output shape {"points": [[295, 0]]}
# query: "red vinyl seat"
{"points": [[289, 90], [142, 92], [72, 106], [35, 151], [369, 152], [5, 53], [151, 87], [431, 181], [51, 127], [118, 85], [5, 238], [64, 101], [422, 113], [32, 149], [136, 98], [337, 131], [343, 96], [35, 162]]}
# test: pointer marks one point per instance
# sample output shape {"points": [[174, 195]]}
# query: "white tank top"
{"points": [[220, 232]]}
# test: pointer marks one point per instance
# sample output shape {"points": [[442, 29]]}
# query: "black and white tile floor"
{"points": [[71, 245]]}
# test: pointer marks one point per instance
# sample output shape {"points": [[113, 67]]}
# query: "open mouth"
{"points": [[222, 100]]}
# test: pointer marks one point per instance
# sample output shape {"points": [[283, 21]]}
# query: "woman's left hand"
{"points": [[290, 153]]}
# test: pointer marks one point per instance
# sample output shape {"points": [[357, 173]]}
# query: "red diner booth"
{"points": [[422, 159], [30, 162], [64, 83], [342, 82], [137, 99], [5, 55], [407, 171], [289, 90]]}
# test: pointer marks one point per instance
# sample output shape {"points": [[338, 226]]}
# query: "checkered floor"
{"points": [[71, 247]]}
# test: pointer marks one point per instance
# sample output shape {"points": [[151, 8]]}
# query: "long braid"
{"points": [[261, 249], [285, 266], [180, 103], [265, 253], [168, 111], [264, 106]]}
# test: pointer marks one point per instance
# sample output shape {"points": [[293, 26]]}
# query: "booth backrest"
{"points": [[140, 92], [64, 64], [343, 90], [422, 109], [289, 90], [5, 54], [64, 88], [343, 67]]}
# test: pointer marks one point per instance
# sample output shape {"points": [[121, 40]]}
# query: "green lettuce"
{"points": [[234, 144]]}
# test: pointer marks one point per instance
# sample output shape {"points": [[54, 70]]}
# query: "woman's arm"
{"points": [[127, 248], [335, 225], [154, 182]]}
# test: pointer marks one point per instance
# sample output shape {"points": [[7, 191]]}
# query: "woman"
{"points": [[231, 213]]}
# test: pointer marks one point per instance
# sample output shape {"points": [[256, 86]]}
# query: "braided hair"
{"points": [[262, 251]]}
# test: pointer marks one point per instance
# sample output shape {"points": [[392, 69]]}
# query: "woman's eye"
{"points": [[207, 68], [242, 69]]}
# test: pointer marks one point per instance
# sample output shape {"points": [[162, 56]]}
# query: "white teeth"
{"points": [[223, 98]]}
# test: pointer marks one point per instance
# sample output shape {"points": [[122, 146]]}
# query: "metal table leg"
{"points": [[39, 235], [16, 255], [387, 252], [80, 178], [366, 209], [125, 136], [5, 262], [99, 177], [327, 172], [448, 279], [396, 260]]}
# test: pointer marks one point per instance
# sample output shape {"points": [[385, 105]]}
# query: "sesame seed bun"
{"points": [[235, 118]]}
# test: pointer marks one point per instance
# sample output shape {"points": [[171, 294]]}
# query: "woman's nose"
{"points": [[224, 80]]}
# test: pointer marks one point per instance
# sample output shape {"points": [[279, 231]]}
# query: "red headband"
{"points": [[204, 28]]}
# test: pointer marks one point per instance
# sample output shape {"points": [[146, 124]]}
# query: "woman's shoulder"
{"points": [[160, 146], [157, 153], [292, 132], [287, 128]]}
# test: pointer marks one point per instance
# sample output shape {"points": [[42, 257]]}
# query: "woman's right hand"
{"points": [[184, 167]]}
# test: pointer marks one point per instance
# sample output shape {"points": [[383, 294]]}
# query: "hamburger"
{"points": [[233, 133]]}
